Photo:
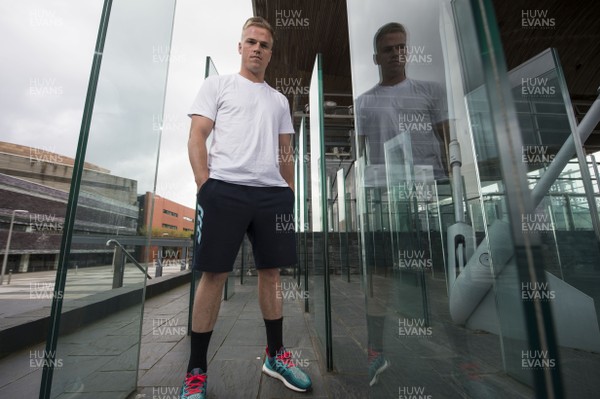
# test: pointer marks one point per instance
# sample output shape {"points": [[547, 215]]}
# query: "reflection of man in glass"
{"points": [[401, 126], [400, 105]]}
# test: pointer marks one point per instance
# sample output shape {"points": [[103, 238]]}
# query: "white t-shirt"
{"points": [[248, 119], [411, 106]]}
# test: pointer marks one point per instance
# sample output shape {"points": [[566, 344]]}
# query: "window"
{"points": [[169, 226], [167, 212]]}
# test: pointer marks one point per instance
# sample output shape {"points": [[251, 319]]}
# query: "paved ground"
{"points": [[33, 291], [236, 352], [452, 362]]}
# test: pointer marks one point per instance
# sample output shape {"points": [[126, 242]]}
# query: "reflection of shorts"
{"points": [[227, 211]]}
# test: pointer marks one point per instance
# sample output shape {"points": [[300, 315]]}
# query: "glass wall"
{"points": [[94, 340], [319, 285], [476, 215]]}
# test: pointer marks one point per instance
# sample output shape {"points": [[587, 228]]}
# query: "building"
{"points": [[37, 181], [168, 219]]}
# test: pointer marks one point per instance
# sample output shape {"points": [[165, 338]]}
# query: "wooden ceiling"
{"points": [[576, 35]]}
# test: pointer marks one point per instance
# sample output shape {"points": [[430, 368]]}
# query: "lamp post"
{"points": [[5, 261]]}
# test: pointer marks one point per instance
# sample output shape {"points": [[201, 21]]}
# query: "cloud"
{"points": [[46, 66]]}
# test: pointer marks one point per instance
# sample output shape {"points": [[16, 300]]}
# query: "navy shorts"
{"points": [[226, 212]]}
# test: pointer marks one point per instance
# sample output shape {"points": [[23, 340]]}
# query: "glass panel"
{"points": [[97, 352], [439, 194], [318, 200], [562, 217], [343, 221], [302, 225]]}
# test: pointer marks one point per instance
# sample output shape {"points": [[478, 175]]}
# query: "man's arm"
{"points": [[199, 132], [286, 159]]}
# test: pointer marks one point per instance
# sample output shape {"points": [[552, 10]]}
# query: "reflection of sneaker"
{"points": [[282, 367], [194, 385], [377, 364]]}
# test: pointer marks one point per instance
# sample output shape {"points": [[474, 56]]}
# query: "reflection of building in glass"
{"points": [[37, 181], [168, 220]]}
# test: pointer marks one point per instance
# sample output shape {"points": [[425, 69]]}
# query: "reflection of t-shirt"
{"points": [[411, 106], [248, 117]]}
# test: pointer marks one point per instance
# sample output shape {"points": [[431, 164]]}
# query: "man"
{"points": [[244, 186], [402, 130]]}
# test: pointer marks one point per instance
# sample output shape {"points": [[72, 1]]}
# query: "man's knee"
{"points": [[269, 274], [212, 279]]}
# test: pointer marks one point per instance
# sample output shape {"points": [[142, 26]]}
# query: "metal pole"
{"points": [[10, 229]]}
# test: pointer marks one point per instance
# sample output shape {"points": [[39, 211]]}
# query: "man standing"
{"points": [[244, 187]]}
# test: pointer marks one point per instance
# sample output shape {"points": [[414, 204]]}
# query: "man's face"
{"points": [[391, 53], [256, 49]]}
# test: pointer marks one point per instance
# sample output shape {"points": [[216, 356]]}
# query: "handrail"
{"points": [[128, 255]]}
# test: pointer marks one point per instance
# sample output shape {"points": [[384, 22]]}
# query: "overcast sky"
{"points": [[45, 66]]}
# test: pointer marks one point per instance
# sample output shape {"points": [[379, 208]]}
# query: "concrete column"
{"points": [[24, 263]]}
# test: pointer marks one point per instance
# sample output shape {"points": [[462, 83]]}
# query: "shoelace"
{"points": [[195, 383]]}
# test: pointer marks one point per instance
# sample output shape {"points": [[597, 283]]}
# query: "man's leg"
{"points": [[271, 306], [207, 303]]}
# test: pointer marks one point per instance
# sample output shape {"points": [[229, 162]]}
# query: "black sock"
{"points": [[375, 331], [199, 349], [274, 335]]}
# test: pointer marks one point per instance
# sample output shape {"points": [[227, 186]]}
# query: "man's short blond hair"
{"points": [[261, 23]]}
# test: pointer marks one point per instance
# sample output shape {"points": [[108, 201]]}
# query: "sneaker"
{"points": [[194, 385], [377, 365], [282, 367]]}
